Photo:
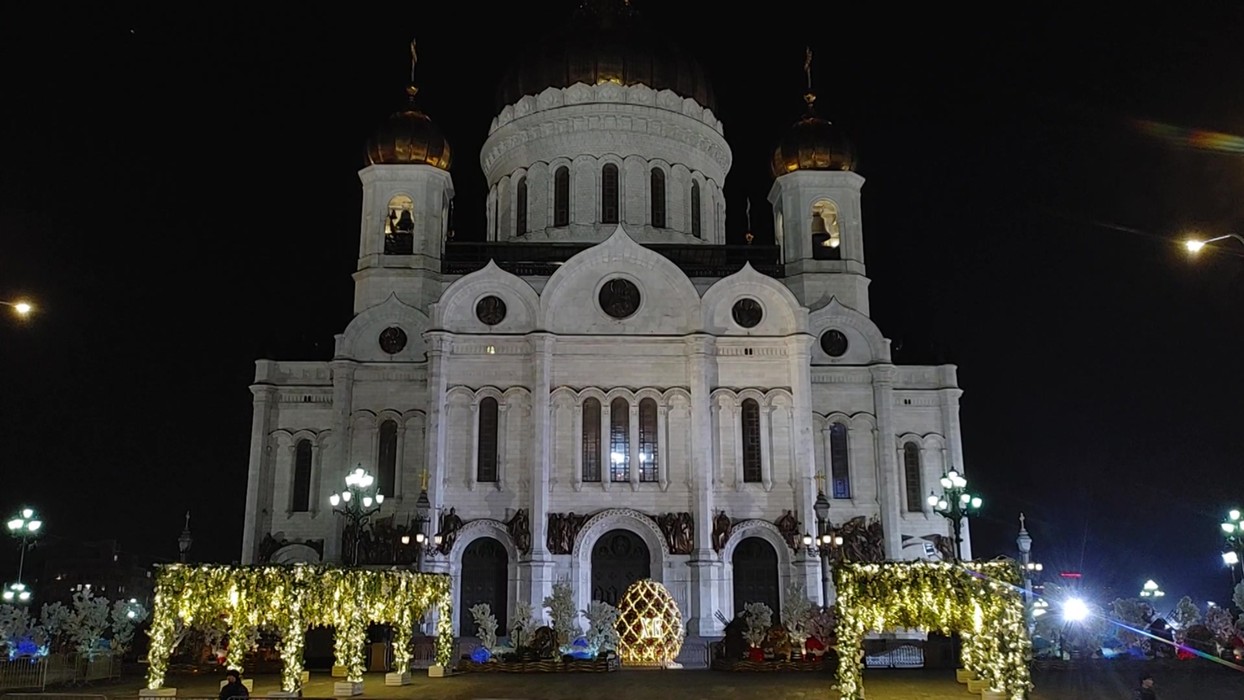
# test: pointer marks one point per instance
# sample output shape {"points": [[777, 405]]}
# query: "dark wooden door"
{"points": [[485, 579], [619, 558], [756, 575]]}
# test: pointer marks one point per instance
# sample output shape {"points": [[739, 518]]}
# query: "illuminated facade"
{"points": [[603, 389]]}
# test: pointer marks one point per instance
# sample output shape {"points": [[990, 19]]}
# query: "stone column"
{"points": [[339, 455], [633, 453], [258, 471], [888, 471], [704, 564], [954, 440], [766, 448], [399, 459], [439, 346], [536, 571], [799, 353]]}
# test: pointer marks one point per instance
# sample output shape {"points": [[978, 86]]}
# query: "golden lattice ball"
{"points": [[649, 625]]}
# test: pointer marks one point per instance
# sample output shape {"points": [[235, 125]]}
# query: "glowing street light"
{"points": [[358, 501], [21, 307], [955, 504], [1151, 590], [25, 526], [1075, 610], [1194, 245]]}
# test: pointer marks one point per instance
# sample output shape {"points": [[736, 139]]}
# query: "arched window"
{"points": [[486, 467], [751, 441], [520, 207], [695, 209], [839, 461], [399, 226], [561, 197], [609, 194], [658, 197], [911, 469], [591, 440], [301, 502], [619, 440], [386, 460], [649, 462], [826, 236]]}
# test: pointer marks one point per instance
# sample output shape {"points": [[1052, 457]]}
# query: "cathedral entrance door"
{"points": [[485, 579], [756, 575], [619, 558]]}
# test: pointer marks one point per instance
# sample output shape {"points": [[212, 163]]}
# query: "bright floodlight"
{"points": [[1075, 610], [1193, 245]]}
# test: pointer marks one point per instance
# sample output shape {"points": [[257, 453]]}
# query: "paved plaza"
{"points": [[1187, 681]]}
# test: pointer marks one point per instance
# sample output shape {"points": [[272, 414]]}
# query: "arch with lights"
{"points": [[289, 600], [983, 601]]}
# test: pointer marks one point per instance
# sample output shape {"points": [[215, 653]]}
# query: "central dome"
{"points": [[606, 41]]}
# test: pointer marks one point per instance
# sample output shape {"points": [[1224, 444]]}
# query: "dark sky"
{"points": [[180, 195]]}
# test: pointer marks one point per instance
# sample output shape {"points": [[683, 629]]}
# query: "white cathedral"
{"points": [[605, 390]]}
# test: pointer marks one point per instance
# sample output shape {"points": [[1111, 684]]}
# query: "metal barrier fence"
{"points": [[57, 669]]}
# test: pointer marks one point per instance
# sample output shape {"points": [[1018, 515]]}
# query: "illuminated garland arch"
{"points": [[980, 600], [292, 599]]}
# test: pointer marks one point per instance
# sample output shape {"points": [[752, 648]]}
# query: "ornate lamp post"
{"points": [[357, 502], [826, 544], [25, 527], [424, 546], [185, 540], [955, 504]]}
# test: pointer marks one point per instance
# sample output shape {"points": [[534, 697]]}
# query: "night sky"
{"points": [[179, 194]]}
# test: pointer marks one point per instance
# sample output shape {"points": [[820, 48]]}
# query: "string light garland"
{"points": [[649, 625], [980, 600], [289, 600]]}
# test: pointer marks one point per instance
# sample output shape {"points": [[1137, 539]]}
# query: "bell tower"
{"points": [[407, 192], [816, 210]]}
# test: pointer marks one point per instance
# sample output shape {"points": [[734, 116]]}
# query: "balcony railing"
{"points": [[544, 258]]}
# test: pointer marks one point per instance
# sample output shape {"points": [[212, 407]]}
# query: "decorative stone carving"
{"points": [[747, 312], [679, 531], [490, 310], [619, 298], [392, 340], [944, 544], [721, 531], [269, 546], [862, 541], [564, 529], [834, 343], [379, 542], [519, 528], [788, 526]]}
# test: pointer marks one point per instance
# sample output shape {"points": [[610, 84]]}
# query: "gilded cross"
{"points": [[820, 481]]}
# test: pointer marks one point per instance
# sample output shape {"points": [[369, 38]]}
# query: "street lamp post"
{"points": [[826, 545], [425, 546], [955, 504], [1194, 245], [25, 527], [1151, 590], [185, 540], [359, 500]]}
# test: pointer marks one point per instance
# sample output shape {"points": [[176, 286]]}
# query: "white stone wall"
{"points": [[585, 127]]}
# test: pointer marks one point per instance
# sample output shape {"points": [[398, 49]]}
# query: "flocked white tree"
{"points": [[522, 625], [602, 633], [562, 614], [486, 625], [16, 626], [797, 614], [87, 622], [54, 618], [127, 615], [759, 619]]}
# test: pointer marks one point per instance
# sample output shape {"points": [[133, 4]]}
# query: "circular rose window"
{"points": [[619, 298], [392, 340]]}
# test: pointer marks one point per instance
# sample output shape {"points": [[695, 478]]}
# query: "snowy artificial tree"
{"points": [[759, 619], [486, 624], [522, 625], [796, 615], [602, 633], [562, 614]]}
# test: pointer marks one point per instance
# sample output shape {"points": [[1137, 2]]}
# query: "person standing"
{"points": [[233, 688], [1145, 691]]}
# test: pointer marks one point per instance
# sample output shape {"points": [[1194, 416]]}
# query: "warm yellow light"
{"points": [[650, 631], [23, 308], [1193, 245]]}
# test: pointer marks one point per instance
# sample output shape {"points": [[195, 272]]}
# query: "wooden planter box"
{"points": [[545, 666]]}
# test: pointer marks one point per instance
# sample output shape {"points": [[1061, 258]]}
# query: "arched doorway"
{"points": [[756, 574], [485, 578], [619, 558]]}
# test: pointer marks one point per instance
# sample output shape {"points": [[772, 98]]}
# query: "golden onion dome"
{"points": [[409, 137], [812, 143], [605, 41]]}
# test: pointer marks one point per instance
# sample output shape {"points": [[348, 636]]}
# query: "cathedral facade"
{"points": [[604, 390]]}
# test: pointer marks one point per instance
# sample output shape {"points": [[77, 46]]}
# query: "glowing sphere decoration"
{"points": [[650, 631]]}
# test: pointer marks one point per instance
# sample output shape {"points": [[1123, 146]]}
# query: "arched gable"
{"points": [[668, 302], [781, 312], [865, 343], [456, 309], [361, 339]]}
